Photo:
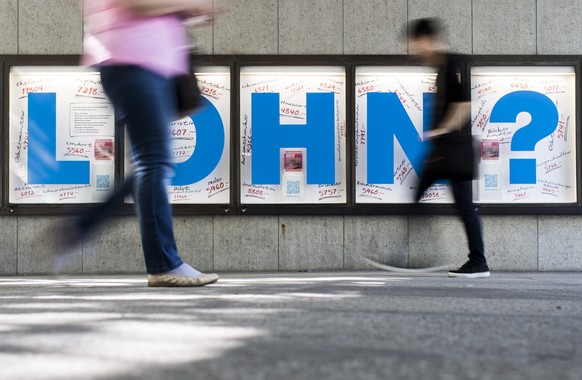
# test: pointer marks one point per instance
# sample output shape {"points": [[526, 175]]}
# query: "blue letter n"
{"points": [[387, 122]]}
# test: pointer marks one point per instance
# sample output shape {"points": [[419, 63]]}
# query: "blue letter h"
{"points": [[269, 136]]}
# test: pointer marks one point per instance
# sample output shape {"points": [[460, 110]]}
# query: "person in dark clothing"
{"points": [[452, 111]]}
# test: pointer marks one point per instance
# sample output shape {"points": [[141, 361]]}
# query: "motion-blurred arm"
{"points": [[152, 8], [455, 118]]}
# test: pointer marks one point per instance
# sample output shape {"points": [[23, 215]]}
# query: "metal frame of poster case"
{"points": [[350, 207], [4, 166]]}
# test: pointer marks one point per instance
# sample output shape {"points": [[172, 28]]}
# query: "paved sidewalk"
{"points": [[373, 325]]}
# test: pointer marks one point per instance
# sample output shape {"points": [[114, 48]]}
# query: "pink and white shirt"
{"points": [[116, 36]]}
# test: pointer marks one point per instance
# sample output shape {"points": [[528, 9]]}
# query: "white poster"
{"points": [[61, 134], [293, 146], [393, 108], [201, 144], [524, 121]]}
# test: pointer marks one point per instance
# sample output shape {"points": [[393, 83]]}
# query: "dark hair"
{"points": [[424, 27]]}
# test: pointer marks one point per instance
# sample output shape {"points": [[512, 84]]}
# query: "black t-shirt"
{"points": [[449, 88]]}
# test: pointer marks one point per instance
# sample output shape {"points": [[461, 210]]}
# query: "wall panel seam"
{"points": [[17, 26], [537, 28], [344, 243], [278, 244]]}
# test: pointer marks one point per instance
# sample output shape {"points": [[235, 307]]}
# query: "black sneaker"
{"points": [[471, 270]]}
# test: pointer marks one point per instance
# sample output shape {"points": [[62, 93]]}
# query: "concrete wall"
{"points": [[324, 26], [298, 243], [224, 243]]}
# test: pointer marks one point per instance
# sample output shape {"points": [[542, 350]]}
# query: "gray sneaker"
{"points": [[172, 280]]}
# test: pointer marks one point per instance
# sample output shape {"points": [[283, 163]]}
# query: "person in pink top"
{"points": [[140, 46]]}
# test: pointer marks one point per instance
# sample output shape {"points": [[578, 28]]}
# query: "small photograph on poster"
{"points": [[104, 149], [489, 149], [293, 161], [293, 177]]}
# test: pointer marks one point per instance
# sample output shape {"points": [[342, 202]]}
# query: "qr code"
{"points": [[491, 181], [293, 188], [103, 182]]}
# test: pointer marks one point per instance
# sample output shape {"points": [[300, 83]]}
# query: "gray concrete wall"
{"points": [[224, 243], [324, 26], [305, 243]]}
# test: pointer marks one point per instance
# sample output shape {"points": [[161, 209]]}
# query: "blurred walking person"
{"points": [[452, 112], [140, 47]]}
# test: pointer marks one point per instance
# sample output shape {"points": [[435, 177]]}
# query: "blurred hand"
{"points": [[203, 16], [435, 133], [189, 8]]}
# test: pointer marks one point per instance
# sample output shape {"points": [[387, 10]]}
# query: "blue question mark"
{"points": [[544, 120]]}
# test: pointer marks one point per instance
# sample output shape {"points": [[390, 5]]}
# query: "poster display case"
{"points": [[293, 135], [524, 123], [61, 136], [338, 135], [393, 110], [200, 144]]}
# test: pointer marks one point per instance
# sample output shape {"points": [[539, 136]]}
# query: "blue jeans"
{"points": [[146, 103]]}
